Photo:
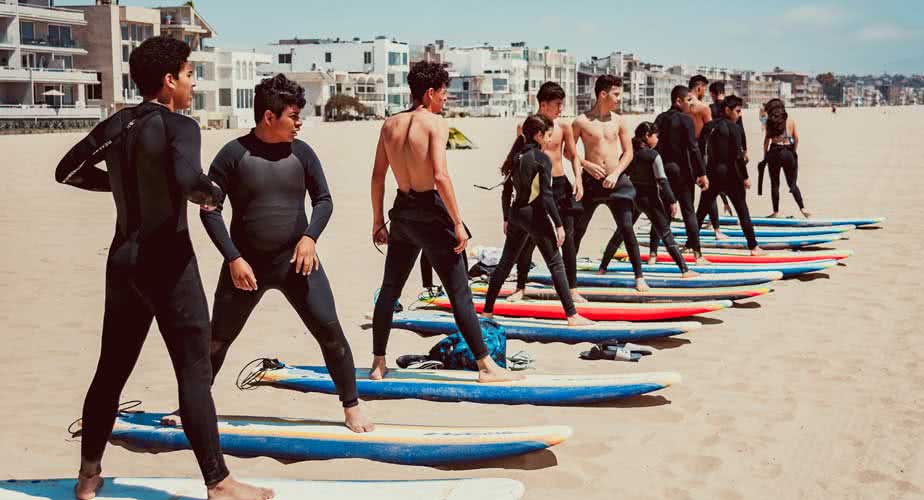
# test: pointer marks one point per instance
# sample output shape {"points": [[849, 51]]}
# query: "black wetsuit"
{"points": [[533, 213], [653, 194], [784, 157], [717, 113], [153, 171], [683, 163], [421, 222], [727, 173], [266, 184], [563, 193]]}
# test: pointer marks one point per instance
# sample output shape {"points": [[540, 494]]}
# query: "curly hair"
{"points": [[550, 91], [274, 94], [425, 76], [642, 131], [155, 58]]}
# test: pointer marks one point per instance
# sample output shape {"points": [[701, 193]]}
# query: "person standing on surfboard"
{"points": [[561, 144], [153, 170], [607, 154], [272, 244], [425, 216]]}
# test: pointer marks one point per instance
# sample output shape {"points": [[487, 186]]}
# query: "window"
{"points": [[339, 88], [237, 70], [317, 110], [59, 35], [391, 80], [67, 62], [404, 58], [328, 57], [465, 86], [394, 99], [137, 32], [125, 34], [189, 41], [148, 31], [198, 101], [394, 58], [367, 57], [200, 71], [224, 97], [26, 32], [126, 52], [95, 92], [500, 84], [251, 74], [285, 58]]}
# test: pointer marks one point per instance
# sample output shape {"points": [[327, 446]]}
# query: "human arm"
{"points": [[221, 172], [795, 138], [437, 156], [545, 188], [661, 176], [696, 156], [77, 167], [570, 152], [506, 197], [595, 170], [379, 169], [185, 145], [305, 255]]}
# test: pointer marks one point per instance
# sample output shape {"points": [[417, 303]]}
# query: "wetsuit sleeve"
{"points": [[661, 177], [78, 169], [220, 172], [185, 143], [322, 204], [744, 136], [699, 168], [737, 157], [506, 196], [545, 188]]}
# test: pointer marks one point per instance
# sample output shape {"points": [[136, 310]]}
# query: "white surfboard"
{"points": [[165, 488]]}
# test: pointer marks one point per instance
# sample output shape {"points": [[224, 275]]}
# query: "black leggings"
{"points": [[648, 202], [714, 212], [426, 272], [313, 301], [524, 224], [783, 158], [167, 288], [736, 192], [683, 189], [405, 242], [621, 209], [568, 254]]}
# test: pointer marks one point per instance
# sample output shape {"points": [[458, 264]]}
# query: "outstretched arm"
{"points": [[185, 150], [219, 172]]}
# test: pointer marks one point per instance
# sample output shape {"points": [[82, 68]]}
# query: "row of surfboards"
{"points": [[625, 316]]}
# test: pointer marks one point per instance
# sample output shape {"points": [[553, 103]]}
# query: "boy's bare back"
{"points": [[414, 142]]}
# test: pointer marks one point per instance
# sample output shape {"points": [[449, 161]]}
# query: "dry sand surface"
{"points": [[811, 392]]}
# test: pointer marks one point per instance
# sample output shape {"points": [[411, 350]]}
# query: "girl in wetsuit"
{"points": [[781, 143], [653, 197], [532, 214]]}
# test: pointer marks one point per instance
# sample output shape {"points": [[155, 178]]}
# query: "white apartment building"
{"points": [[320, 86], [238, 74], [40, 79], [486, 81], [545, 65], [372, 58]]}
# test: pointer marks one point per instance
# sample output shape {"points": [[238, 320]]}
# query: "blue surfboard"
{"points": [[788, 270], [665, 281], [769, 232], [793, 222]]}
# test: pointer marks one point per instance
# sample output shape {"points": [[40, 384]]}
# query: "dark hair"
{"points": [[717, 88], [678, 92], [697, 80], [774, 103], [425, 76], [732, 101], [155, 58], [776, 121], [642, 132], [275, 94], [550, 91], [533, 125], [605, 82]]}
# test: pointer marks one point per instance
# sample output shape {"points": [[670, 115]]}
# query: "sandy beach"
{"points": [[814, 391]]}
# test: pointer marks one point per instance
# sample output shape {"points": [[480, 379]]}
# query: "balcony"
{"points": [[53, 45], [15, 111], [371, 97], [43, 14], [47, 75]]}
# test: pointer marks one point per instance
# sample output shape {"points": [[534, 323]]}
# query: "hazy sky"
{"points": [[844, 37]]}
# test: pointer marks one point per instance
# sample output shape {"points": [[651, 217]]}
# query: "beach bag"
{"points": [[455, 354]]}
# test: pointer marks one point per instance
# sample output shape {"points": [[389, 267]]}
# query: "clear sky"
{"points": [[849, 36]]}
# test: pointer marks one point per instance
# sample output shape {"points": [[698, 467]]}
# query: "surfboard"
{"points": [[458, 385], [614, 294], [793, 222], [292, 440], [597, 311], [627, 280], [788, 269], [170, 488], [769, 232], [546, 330], [778, 243], [742, 257]]}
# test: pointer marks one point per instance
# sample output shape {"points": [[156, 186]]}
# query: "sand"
{"points": [[811, 392]]}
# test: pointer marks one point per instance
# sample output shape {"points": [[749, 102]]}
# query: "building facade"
{"points": [[42, 82]]}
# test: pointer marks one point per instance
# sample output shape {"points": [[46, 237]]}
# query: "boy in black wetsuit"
{"points": [[727, 169], [717, 93], [152, 160], [683, 163], [272, 242]]}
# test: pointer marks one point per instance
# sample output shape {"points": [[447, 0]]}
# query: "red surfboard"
{"points": [[599, 311]]}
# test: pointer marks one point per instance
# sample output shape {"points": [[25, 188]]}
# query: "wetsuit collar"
{"points": [[272, 151]]}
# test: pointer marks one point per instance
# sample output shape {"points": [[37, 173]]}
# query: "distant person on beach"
{"points": [[560, 145], [683, 163], [153, 170], [727, 168], [272, 244], [607, 154], [531, 213], [717, 93], [781, 146], [425, 217]]}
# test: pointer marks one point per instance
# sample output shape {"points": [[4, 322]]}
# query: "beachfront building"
{"points": [[320, 85], [366, 61], [544, 65], [43, 84], [646, 87], [806, 91], [616, 64], [486, 81], [238, 73]]}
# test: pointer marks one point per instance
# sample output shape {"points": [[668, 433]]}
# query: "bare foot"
{"points": [[758, 251], [87, 486], [378, 370], [578, 320], [577, 298], [700, 260], [488, 372], [719, 235], [516, 296], [356, 420], [487, 315], [806, 213], [641, 286], [652, 260], [231, 489], [774, 215], [689, 274], [172, 419], [601, 272]]}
